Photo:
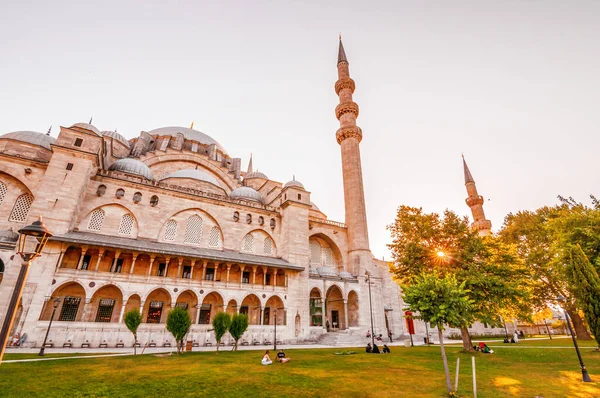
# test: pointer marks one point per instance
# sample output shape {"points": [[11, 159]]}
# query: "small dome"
{"points": [[87, 126], [194, 175], [327, 271], [8, 235], [313, 206], [189, 134], [31, 137], [117, 137], [132, 166], [246, 193], [294, 183], [346, 275], [255, 174]]}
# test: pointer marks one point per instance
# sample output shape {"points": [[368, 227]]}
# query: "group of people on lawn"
{"points": [[266, 359]]}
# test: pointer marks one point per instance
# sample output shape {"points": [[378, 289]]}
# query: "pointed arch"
{"points": [[251, 306], [96, 220], [111, 219], [324, 252], [105, 305], [72, 296], [126, 225], [212, 304], [21, 208], [259, 242], [156, 306], [274, 311], [214, 238]]}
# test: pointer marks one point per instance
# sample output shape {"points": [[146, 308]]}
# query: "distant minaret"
{"points": [[349, 136], [475, 202], [250, 165]]}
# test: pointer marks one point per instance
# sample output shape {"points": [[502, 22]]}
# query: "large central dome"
{"points": [[189, 134]]}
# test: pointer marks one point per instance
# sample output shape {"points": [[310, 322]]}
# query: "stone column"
{"points": [[179, 262], [114, 263], [260, 321], [192, 266], [83, 251], [253, 276], [264, 277], [167, 267], [227, 280], [122, 312], [346, 314], [198, 313], [142, 302], [152, 258], [274, 278], [135, 256], [204, 264], [84, 312], [100, 255], [60, 258], [242, 267]]}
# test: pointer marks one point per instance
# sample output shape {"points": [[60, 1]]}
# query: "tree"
{"points": [[239, 324], [133, 319], [220, 325], [440, 301], [543, 239], [586, 284], [178, 323], [495, 277]]}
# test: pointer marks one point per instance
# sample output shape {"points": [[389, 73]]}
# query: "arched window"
{"points": [[120, 193], [21, 209], [193, 230], [126, 225], [248, 244], [3, 191], [214, 237], [268, 246], [137, 197], [315, 252], [101, 190], [153, 200], [327, 256], [96, 220], [170, 230]]}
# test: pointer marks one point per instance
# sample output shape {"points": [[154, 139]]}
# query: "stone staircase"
{"points": [[343, 338]]}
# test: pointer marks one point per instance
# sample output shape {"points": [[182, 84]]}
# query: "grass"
{"points": [[407, 372], [12, 356]]}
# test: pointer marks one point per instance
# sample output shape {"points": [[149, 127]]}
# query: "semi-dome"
{"points": [[194, 174], [87, 126], [117, 137], [313, 206], [255, 174], [189, 134], [31, 137], [346, 275], [293, 183], [246, 193], [132, 166]]}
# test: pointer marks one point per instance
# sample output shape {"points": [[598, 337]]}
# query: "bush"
{"points": [[132, 320], [178, 323], [220, 325], [239, 324]]}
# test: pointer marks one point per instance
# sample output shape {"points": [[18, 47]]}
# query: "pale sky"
{"points": [[513, 85]]}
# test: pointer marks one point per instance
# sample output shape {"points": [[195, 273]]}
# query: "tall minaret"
{"points": [[475, 202], [349, 136]]}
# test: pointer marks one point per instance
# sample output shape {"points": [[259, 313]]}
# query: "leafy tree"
{"points": [[178, 323], [493, 274], [544, 238], [133, 319], [220, 325], [239, 324], [440, 301], [586, 285]]}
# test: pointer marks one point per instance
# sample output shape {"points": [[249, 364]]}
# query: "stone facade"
{"points": [[169, 219]]}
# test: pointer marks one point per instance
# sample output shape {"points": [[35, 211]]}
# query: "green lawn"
{"points": [[11, 356], [409, 372]]}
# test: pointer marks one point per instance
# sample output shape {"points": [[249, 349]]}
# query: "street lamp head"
{"points": [[561, 298], [33, 239], [56, 303], [441, 253]]}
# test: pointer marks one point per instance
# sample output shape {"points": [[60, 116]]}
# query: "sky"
{"points": [[512, 85]]}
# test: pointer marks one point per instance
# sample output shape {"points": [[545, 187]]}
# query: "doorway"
{"points": [[335, 319]]}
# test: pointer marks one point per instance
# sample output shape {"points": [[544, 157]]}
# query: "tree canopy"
{"points": [[178, 323], [238, 326], [586, 285], [132, 320], [220, 325]]}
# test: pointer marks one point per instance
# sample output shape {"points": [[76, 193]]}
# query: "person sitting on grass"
{"points": [[369, 349], [386, 349], [281, 357], [375, 349], [484, 348], [266, 359]]}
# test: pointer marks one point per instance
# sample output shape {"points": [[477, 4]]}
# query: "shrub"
{"points": [[178, 323]]}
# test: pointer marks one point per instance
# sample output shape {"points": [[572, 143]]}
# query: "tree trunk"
{"points": [[135, 344], [466, 338], [579, 327], [218, 344], [236, 345], [446, 371]]}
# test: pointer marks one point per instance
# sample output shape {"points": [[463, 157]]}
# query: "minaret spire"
{"points": [[475, 202], [250, 165], [349, 136]]}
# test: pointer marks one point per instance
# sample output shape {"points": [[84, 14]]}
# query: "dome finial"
{"points": [[192, 126], [293, 177], [91, 120], [49, 131], [342, 52]]}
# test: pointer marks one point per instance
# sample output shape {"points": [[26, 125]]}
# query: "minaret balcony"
{"points": [[346, 107], [474, 200]]}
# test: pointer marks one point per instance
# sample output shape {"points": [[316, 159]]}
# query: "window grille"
{"points": [[105, 310], [126, 224], [69, 166], [21, 208], [3, 191], [248, 245], [204, 314], [78, 142], [171, 230], [154, 312], [315, 252], [68, 312], [193, 230], [214, 237], [268, 246], [96, 220], [327, 256]]}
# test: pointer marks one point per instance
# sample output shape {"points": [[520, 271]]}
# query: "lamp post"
{"points": [[32, 240], [584, 372], [370, 308], [505, 330], [55, 306]]}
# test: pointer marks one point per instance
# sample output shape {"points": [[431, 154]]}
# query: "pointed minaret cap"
{"points": [[342, 53], [250, 165], [468, 176]]}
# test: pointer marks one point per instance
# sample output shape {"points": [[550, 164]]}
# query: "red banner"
{"points": [[410, 325]]}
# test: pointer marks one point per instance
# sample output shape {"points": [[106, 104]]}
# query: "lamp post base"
{"points": [[41, 354], [586, 376]]}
